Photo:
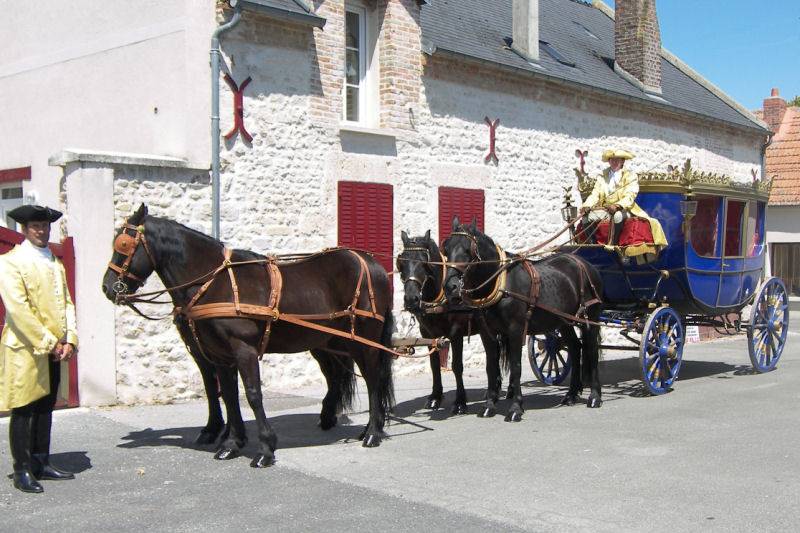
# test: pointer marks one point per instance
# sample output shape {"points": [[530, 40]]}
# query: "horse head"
{"points": [[421, 279], [131, 260], [465, 246]]}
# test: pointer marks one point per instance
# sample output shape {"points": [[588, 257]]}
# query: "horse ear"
{"points": [[138, 216], [456, 222], [474, 223], [404, 236], [427, 235]]}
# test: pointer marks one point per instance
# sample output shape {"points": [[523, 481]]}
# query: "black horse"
{"points": [[567, 285], [317, 285], [422, 272]]}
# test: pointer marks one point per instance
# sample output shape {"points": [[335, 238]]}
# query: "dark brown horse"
{"points": [[514, 307], [331, 282], [422, 272]]}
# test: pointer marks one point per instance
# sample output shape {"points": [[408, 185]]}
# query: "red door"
{"points": [[66, 253], [366, 219], [464, 203]]}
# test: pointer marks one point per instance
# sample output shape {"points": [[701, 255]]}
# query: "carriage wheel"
{"points": [[661, 350], [769, 324], [549, 357]]}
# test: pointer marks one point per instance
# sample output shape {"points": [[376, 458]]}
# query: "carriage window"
{"points": [[754, 229], [704, 226], [733, 228]]}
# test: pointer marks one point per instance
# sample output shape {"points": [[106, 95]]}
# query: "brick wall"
{"points": [[401, 61], [637, 40]]}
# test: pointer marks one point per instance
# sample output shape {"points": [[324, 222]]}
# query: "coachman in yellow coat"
{"points": [[39, 333], [614, 196]]}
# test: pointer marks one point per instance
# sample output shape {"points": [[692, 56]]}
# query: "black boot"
{"points": [[42, 469], [19, 435]]}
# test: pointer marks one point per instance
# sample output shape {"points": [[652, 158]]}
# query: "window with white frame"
{"points": [[358, 90], [10, 197]]}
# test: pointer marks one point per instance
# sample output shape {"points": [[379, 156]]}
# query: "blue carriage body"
{"points": [[721, 280]]}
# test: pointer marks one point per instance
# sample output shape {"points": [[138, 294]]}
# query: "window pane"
{"points": [[733, 229], [704, 227], [352, 30], [351, 104], [12, 192], [353, 67], [753, 237]]}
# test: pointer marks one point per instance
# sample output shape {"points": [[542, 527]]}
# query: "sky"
{"points": [[744, 47]]}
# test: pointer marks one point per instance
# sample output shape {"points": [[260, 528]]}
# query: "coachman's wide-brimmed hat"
{"points": [[619, 154], [34, 213]]}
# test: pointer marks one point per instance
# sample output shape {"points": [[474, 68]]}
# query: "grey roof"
{"points": [[581, 33], [291, 10]]}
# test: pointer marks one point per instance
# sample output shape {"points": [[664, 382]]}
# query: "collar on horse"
{"points": [[499, 288]]}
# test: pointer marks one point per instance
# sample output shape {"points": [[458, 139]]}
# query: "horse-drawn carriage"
{"points": [[707, 275]]}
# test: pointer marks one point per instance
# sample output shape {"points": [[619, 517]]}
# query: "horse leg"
{"points": [[591, 354], [372, 364], [457, 345], [234, 437], [493, 377], [338, 372], [434, 401], [514, 354], [251, 377], [575, 348], [215, 423]]}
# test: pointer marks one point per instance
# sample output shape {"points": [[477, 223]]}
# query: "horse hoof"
{"points": [[489, 412], [327, 423], [433, 404], [372, 441], [569, 399], [224, 454], [594, 402], [515, 416], [262, 461], [206, 437], [459, 409]]}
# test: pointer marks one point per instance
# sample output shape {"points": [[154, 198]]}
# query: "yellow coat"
{"points": [[39, 313], [624, 195]]}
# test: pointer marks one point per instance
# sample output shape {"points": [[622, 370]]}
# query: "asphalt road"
{"points": [[718, 453]]}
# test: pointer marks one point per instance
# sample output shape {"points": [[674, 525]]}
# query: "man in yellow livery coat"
{"points": [[614, 196], [39, 333]]}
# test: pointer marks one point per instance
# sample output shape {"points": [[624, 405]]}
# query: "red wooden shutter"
{"points": [[466, 203], [366, 219]]}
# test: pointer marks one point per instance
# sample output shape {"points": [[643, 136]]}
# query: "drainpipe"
{"points": [[215, 133], [767, 270]]}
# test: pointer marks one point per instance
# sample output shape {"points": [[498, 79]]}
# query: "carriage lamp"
{"points": [[688, 208], [569, 211]]}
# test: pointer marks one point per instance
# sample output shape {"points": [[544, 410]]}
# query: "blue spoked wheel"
{"points": [[769, 324], [549, 358], [661, 350]]}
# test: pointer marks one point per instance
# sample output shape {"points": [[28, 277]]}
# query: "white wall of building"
{"points": [[107, 75]]}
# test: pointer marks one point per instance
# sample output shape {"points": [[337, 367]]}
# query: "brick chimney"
{"points": [[774, 108], [525, 29], [637, 43]]}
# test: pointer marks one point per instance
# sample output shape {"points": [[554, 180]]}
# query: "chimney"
{"points": [[637, 43], [774, 108], [525, 31]]}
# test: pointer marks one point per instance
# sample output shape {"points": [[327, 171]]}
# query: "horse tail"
{"points": [[502, 352], [386, 382], [590, 349]]}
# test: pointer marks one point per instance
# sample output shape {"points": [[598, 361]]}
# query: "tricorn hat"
{"points": [[34, 213], [619, 154]]}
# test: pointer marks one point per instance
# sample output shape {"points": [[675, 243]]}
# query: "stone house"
{"points": [[344, 122], [783, 162]]}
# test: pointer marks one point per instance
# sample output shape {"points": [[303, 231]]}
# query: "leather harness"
{"points": [[126, 245]]}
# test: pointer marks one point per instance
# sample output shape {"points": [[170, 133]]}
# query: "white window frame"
{"points": [[9, 204], [367, 53]]}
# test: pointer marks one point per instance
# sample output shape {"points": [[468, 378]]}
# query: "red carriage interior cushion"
{"points": [[635, 231]]}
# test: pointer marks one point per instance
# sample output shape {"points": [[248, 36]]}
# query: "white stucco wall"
{"points": [[782, 222], [111, 75]]}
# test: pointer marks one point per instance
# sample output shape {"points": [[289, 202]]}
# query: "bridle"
{"points": [[462, 267], [421, 283], [126, 245]]}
